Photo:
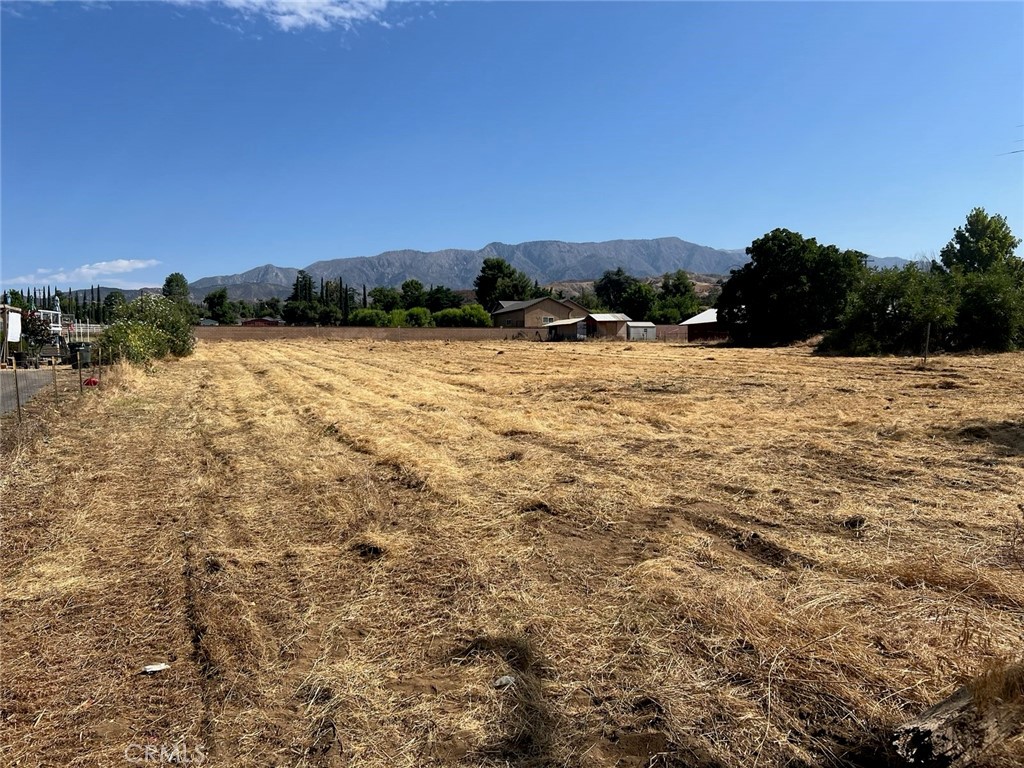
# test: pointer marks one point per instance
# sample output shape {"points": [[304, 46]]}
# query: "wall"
{"points": [[239, 333]]}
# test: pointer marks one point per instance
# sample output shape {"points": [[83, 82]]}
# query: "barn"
{"points": [[705, 327]]}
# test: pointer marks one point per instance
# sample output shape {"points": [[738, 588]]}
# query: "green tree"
{"points": [[588, 298], [638, 300], [990, 314], [893, 311], [176, 288], [500, 281], [677, 300], [113, 300], [369, 317], [413, 294], [220, 308], [302, 288], [418, 317], [791, 289], [984, 243], [303, 306], [440, 297], [611, 288], [468, 316], [989, 280], [385, 299], [17, 299]]}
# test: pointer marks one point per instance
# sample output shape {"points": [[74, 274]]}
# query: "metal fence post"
{"points": [[81, 386], [56, 391], [17, 390]]}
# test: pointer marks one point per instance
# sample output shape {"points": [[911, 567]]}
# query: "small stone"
{"points": [[504, 681], [152, 669]]}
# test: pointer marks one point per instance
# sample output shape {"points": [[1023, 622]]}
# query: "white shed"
{"points": [[637, 331]]}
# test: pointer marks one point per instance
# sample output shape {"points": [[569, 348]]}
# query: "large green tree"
{"points": [[611, 288], [440, 297], [791, 289], [220, 307], [176, 288], [677, 300], [984, 243], [500, 281], [384, 298], [413, 294]]}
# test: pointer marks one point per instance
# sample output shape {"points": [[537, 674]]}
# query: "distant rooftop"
{"points": [[707, 316], [611, 317]]}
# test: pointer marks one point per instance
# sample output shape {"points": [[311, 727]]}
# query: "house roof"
{"points": [[512, 306], [570, 321], [610, 317], [640, 324], [707, 316]]}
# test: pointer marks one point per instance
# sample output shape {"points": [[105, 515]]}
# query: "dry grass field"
{"points": [[497, 553]]}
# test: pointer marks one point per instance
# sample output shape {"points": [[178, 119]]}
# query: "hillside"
{"points": [[546, 261]]}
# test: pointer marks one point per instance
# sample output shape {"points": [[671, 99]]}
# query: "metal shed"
{"points": [[573, 329], [607, 325], [640, 331]]}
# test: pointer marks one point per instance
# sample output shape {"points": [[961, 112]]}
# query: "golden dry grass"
{"points": [[682, 556]]}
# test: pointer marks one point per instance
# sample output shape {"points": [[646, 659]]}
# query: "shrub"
{"points": [[418, 317], [991, 312], [469, 316], [372, 318], [149, 328]]}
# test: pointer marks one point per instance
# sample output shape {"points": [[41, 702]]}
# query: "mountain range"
{"points": [[546, 261]]}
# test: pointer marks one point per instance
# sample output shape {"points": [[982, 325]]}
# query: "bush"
{"points": [[149, 328], [991, 312], [370, 318], [418, 317], [890, 311], [469, 316]]}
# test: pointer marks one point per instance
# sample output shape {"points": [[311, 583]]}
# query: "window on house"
{"points": [[546, 320]]}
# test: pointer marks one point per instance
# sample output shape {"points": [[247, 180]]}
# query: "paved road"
{"points": [[29, 382]]}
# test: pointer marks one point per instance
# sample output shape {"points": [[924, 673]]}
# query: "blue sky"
{"points": [[211, 137]]}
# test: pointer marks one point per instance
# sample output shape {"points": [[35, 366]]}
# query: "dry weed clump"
{"points": [[416, 554]]}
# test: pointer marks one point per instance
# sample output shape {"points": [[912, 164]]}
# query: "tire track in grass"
{"points": [[254, 595], [102, 597], [517, 745]]}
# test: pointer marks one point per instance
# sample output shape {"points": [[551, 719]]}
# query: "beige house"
{"points": [[535, 313]]}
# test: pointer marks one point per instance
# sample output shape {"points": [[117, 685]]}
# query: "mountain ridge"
{"points": [[546, 261]]}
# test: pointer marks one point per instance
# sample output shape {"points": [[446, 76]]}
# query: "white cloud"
{"points": [[290, 15], [100, 271]]}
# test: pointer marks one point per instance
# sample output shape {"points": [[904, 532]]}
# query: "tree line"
{"points": [[84, 306], [794, 288]]}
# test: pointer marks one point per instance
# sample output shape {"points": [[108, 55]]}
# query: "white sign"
{"points": [[14, 326]]}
